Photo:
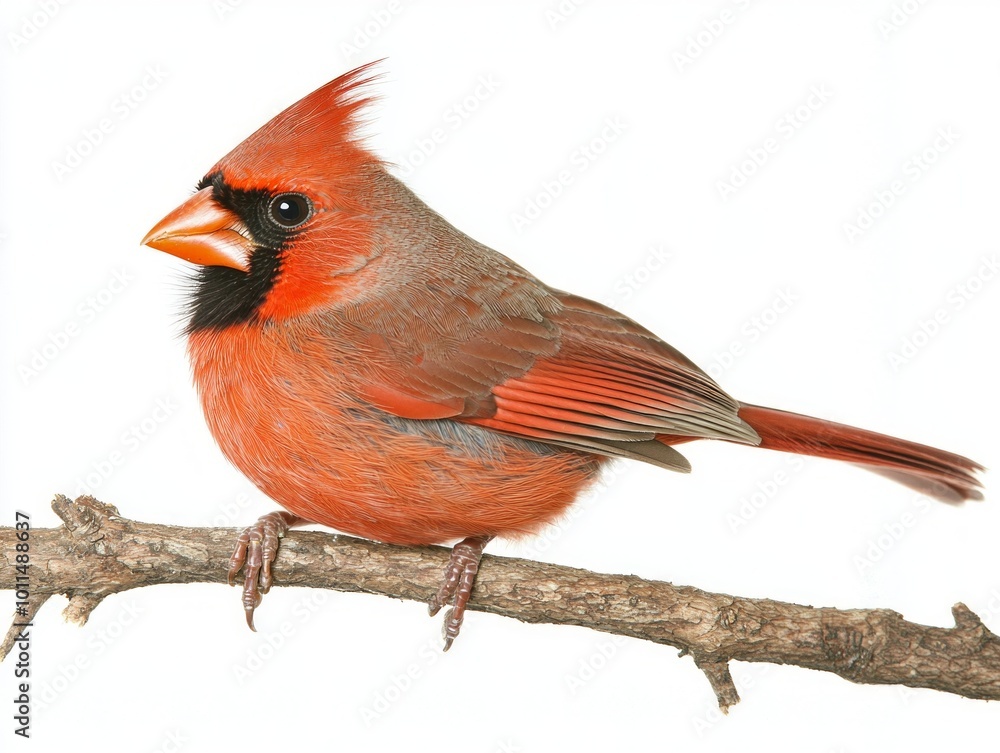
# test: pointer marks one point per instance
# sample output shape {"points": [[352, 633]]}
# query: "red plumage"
{"points": [[371, 368]]}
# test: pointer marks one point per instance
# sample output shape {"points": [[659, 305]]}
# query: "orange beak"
{"points": [[202, 232]]}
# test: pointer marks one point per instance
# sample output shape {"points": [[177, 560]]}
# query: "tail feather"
{"points": [[941, 474]]}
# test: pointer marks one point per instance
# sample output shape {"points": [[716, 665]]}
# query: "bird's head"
{"points": [[280, 225]]}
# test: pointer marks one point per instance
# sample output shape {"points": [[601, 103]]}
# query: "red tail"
{"points": [[934, 472]]}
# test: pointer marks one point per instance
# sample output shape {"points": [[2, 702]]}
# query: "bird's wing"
{"points": [[543, 365], [614, 388]]}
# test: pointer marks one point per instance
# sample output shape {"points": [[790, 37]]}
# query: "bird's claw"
{"points": [[255, 551], [459, 578]]}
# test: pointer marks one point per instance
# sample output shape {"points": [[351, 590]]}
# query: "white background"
{"points": [[166, 668]]}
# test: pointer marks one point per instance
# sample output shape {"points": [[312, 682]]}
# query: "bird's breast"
{"points": [[284, 407]]}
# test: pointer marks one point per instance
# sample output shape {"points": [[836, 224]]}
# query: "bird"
{"points": [[373, 369]]}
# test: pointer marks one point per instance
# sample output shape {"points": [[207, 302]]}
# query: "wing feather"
{"points": [[515, 356]]}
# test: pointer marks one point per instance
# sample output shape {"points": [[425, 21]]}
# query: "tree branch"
{"points": [[97, 553]]}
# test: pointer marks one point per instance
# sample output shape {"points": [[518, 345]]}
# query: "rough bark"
{"points": [[97, 552]]}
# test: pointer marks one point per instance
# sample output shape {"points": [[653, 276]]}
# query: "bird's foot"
{"points": [[255, 550], [459, 577]]}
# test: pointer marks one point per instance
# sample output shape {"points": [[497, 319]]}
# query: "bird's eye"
{"points": [[289, 210]]}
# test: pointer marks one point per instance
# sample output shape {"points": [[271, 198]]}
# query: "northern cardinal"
{"points": [[373, 369]]}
